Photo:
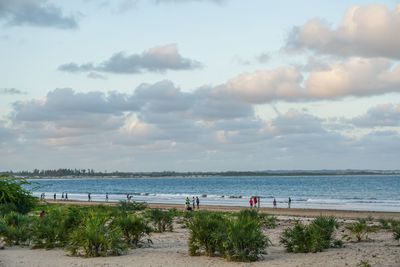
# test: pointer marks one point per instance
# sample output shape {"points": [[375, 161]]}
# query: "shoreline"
{"points": [[296, 212]]}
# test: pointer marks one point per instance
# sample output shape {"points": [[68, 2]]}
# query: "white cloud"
{"points": [[38, 13], [384, 115], [156, 59], [367, 31], [351, 77]]}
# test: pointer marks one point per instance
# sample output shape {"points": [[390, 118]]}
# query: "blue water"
{"points": [[355, 192]]}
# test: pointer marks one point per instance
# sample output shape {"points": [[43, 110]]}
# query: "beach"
{"points": [[171, 249]]}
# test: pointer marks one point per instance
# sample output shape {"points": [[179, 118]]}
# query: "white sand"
{"points": [[170, 249]]}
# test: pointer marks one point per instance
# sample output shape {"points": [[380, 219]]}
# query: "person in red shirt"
{"points": [[255, 202], [251, 202]]}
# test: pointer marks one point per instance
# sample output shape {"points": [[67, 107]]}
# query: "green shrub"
{"points": [[236, 238], [14, 196], [127, 206], [296, 239], [250, 213], [359, 230], [47, 231], [73, 217], [364, 263], [160, 219], [270, 221], [206, 233], [7, 208], [326, 226], [15, 228], [95, 237], [244, 239], [134, 228], [396, 232], [310, 238]]}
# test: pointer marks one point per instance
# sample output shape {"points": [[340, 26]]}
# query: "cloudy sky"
{"points": [[197, 85]]}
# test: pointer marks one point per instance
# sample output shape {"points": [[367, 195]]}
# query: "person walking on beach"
{"points": [[198, 202], [106, 197], [62, 196], [289, 202], [251, 202], [274, 202], [193, 203], [66, 196], [89, 196], [187, 203], [255, 202], [55, 196]]}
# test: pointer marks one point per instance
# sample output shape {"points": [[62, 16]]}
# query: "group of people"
{"points": [[195, 202], [64, 196], [255, 202]]}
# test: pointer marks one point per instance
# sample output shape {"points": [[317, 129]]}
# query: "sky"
{"points": [[199, 85]]}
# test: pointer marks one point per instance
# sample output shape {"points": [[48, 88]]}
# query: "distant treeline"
{"points": [[93, 173]]}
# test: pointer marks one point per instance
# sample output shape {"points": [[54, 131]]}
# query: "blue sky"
{"points": [[199, 84]]}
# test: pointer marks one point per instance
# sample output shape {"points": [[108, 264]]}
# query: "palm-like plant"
{"points": [[15, 228], [97, 237], [359, 230], [134, 228], [206, 232], [161, 220], [310, 238], [244, 239], [53, 229], [396, 232], [325, 226]]}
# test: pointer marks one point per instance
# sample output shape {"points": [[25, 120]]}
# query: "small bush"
{"points": [[244, 239], [364, 263], [396, 232], [14, 196], [206, 233], [48, 231], [326, 226], [134, 228], [236, 238], [7, 208], [310, 238], [97, 237], [15, 228], [160, 219], [126, 206], [270, 221], [359, 230]]}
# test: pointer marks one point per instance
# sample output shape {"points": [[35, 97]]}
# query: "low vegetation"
{"points": [[13, 197], [134, 229], [15, 228], [314, 237], [359, 230], [160, 219], [236, 238], [95, 237]]}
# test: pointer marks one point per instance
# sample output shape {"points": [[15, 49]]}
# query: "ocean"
{"points": [[348, 192]]}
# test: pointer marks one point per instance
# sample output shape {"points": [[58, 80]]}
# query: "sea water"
{"points": [[348, 192]]}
